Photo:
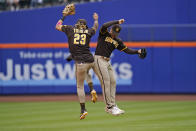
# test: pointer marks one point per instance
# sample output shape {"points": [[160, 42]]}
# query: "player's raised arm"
{"points": [[68, 10], [59, 24], [108, 24], [95, 17]]}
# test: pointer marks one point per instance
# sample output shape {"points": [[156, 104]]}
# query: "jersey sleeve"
{"points": [[121, 45], [104, 27], [67, 29]]}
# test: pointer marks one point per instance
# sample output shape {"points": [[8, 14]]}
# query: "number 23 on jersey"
{"points": [[80, 39]]}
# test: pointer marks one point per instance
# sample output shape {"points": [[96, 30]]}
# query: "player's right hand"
{"points": [[95, 16], [121, 21]]}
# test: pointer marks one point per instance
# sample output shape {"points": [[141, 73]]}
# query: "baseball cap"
{"points": [[116, 29], [82, 21]]}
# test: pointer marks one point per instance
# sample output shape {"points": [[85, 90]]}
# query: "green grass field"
{"points": [[64, 116]]}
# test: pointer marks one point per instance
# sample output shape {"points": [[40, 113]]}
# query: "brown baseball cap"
{"points": [[82, 21]]}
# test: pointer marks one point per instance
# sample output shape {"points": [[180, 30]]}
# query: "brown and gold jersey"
{"points": [[106, 44], [78, 40]]}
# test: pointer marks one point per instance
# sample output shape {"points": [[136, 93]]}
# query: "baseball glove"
{"points": [[143, 53], [69, 58], [69, 10]]}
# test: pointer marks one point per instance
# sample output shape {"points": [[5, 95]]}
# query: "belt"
{"points": [[82, 62], [79, 62], [103, 57]]}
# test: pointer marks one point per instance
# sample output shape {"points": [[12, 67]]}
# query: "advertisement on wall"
{"points": [[48, 67], [45, 70]]}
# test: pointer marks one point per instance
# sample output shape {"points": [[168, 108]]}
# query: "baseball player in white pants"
{"points": [[79, 37], [108, 41], [88, 79]]}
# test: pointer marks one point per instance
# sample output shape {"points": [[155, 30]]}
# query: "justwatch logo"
{"points": [[49, 72]]}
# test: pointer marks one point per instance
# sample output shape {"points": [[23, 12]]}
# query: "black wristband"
{"points": [[63, 18]]}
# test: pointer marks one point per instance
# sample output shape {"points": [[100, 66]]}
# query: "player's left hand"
{"points": [[69, 10], [69, 59], [142, 53], [95, 16]]}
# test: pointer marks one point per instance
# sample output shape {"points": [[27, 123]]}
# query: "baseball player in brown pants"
{"points": [[108, 41], [78, 39], [88, 79]]}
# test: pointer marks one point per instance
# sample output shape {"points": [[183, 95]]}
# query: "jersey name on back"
{"points": [[112, 41], [80, 31]]}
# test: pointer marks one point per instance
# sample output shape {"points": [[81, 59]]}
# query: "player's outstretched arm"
{"points": [[110, 23], [95, 17], [142, 53], [131, 51]]}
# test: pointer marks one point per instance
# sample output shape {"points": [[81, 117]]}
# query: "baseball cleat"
{"points": [[114, 111], [93, 96], [83, 115], [121, 111]]}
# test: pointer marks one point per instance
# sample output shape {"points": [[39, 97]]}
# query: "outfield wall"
{"points": [[42, 68], [38, 25], [32, 52]]}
